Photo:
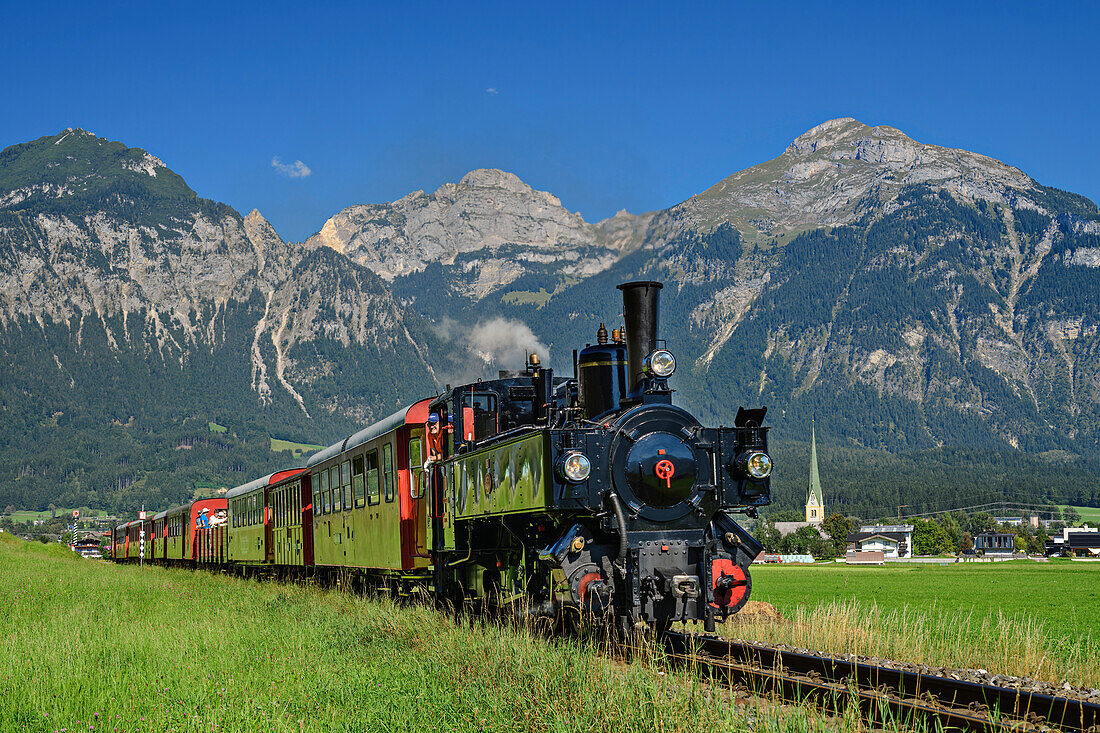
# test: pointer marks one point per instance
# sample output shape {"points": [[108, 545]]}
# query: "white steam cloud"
{"points": [[297, 169], [505, 343], [497, 343]]}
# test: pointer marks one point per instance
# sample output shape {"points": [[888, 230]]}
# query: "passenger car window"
{"points": [[387, 469], [372, 477], [416, 467], [345, 483], [357, 481]]}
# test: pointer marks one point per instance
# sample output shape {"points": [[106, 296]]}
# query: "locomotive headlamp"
{"points": [[661, 363], [758, 465], [575, 467]]}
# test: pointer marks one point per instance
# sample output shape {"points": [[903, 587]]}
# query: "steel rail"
{"points": [[884, 695]]}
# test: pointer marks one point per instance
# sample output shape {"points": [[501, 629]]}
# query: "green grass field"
{"points": [[1065, 595], [298, 449], [87, 645], [1025, 618], [30, 516], [1088, 513], [526, 297]]}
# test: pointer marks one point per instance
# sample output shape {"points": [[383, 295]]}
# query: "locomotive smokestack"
{"points": [[641, 301]]}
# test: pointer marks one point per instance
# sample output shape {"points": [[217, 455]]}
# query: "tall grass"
{"points": [[1002, 643], [87, 645]]}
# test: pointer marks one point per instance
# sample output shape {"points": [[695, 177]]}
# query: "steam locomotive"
{"points": [[591, 495]]}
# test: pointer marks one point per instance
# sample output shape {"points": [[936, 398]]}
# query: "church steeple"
{"points": [[815, 505]]}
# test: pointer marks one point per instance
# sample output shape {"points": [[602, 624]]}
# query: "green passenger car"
{"points": [[369, 512], [252, 522]]}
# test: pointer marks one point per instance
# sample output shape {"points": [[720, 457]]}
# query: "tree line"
{"points": [[950, 533]]}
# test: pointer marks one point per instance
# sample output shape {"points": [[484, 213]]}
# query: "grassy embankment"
{"points": [[88, 645], [1018, 618]]}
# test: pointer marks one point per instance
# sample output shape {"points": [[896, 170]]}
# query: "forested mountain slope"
{"points": [[133, 312]]}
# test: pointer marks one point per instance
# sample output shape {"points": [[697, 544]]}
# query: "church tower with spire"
{"points": [[815, 506]]}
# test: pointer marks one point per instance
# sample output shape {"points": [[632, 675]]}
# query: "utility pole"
{"points": [[900, 507]]}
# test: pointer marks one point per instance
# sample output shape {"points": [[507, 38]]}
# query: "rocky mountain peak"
{"points": [[490, 228], [494, 178], [829, 133], [843, 170], [260, 231]]}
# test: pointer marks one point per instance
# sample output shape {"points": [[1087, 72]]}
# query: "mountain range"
{"points": [[913, 298]]}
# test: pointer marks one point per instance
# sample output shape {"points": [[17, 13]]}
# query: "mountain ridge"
{"points": [[911, 296]]}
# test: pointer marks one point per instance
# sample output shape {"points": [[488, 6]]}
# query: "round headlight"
{"points": [[576, 467], [662, 363], [759, 465]]}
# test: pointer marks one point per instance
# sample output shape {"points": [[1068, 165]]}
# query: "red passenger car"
{"points": [[185, 541]]}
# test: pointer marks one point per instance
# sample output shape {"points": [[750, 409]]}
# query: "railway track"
{"points": [[884, 695]]}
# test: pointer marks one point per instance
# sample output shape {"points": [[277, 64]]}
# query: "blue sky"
{"points": [[634, 106]]}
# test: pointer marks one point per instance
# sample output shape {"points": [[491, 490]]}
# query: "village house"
{"points": [[892, 540], [995, 543]]}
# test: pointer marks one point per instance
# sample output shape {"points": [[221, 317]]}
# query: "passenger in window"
{"points": [[203, 522], [219, 518], [435, 439]]}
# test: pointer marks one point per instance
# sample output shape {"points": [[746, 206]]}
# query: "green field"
{"points": [[526, 297], [1088, 513], [1020, 617], [30, 516], [1065, 595], [298, 449], [89, 645]]}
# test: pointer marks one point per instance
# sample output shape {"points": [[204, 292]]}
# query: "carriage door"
{"points": [[269, 522], [418, 515]]}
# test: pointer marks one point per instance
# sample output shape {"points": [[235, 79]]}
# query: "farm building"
{"points": [[995, 543], [892, 540]]}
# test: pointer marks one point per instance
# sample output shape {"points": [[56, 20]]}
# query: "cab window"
{"points": [[387, 470], [372, 477], [479, 416]]}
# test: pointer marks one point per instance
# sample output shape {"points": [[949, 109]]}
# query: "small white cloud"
{"points": [[297, 169], [492, 90]]}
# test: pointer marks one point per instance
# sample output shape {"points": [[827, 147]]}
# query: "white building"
{"points": [[892, 540]]}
